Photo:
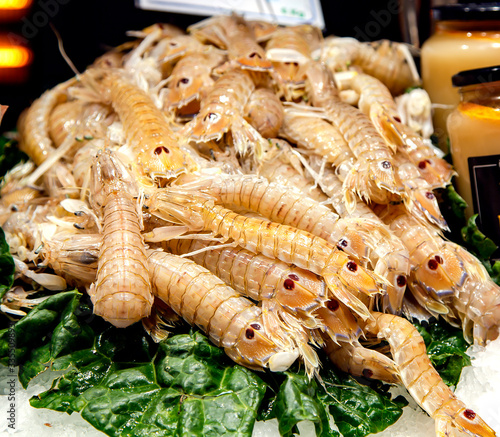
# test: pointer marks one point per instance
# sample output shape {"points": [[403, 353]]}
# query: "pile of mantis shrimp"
{"points": [[270, 186]]}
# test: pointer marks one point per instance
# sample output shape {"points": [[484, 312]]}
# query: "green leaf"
{"points": [[456, 203], [298, 400], [358, 409], [474, 238], [446, 348], [48, 331], [7, 267], [187, 388], [10, 154]]}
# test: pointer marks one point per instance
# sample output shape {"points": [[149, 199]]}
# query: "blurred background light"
{"points": [[13, 10], [15, 60]]}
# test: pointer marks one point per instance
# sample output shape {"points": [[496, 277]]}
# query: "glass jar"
{"points": [[474, 128], [465, 36]]}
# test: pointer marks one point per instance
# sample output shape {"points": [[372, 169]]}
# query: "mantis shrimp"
{"points": [[230, 320], [286, 243], [122, 292]]}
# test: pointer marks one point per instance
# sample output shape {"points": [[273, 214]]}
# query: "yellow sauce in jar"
{"points": [[474, 131], [456, 45]]}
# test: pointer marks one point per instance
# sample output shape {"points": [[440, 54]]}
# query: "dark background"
{"points": [[89, 27]]}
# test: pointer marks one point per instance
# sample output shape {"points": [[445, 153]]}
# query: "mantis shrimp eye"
{"points": [[432, 264], [212, 116], [158, 150], [255, 326], [386, 165], [293, 276], [367, 373], [333, 305], [289, 284], [254, 55], [401, 281], [352, 266], [469, 414], [183, 81], [422, 164], [342, 243], [249, 333]]}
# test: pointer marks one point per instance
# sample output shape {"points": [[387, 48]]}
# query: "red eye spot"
{"points": [[293, 276], [289, 284], [401, 281], [386, 165], [249, 333], [432, 264], [439, 259], [469, 414], [422, 164], [333, 305], [367, 373], [429, 195], [158, 150], [352, 266], [255, 326]]}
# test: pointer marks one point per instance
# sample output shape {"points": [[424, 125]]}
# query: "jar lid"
{"points": [[468, 11], [476, 76]]}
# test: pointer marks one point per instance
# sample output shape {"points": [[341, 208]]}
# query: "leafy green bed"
{"points": [[124, 384]]}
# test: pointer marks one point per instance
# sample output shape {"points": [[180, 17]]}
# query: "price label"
{"points": [[286, 12]]}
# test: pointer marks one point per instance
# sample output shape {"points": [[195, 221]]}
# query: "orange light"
{"points": [[14, 57], [15, 4]]}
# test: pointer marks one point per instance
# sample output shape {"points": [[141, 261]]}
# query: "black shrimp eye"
{"points": [[293, 276], [352, 266], [249, 333], [432, 264], [254, 55], [439, 259], [256, 326], [401, 281], [333, 305], [212, 116], [289, 284], [183, 81], [429, 195], [342, 243], [386, 165], [161, 149], [469, 414]]}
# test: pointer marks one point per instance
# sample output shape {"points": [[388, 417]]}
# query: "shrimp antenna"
{"points": [[63, 52]]}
